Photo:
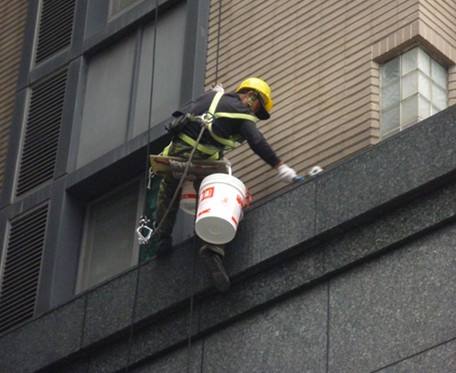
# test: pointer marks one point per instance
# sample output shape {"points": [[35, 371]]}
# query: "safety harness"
{"points": [[207, 120]]}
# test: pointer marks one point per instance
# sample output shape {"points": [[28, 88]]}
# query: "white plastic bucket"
{"points": [[221, 199], [188, 198]]}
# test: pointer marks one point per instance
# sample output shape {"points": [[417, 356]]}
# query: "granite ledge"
{"points": [[433, 183]]}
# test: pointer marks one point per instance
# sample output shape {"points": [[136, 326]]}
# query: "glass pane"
{"points": [[390, 94], [389, 71], [106, 101], [424, 108], [119, 5], [424, 85], [389, 120], [439, 74], [168, 69], [409, 84], [424, 62], [110, 242], [409, 61], [439, 97], [409, 110]]}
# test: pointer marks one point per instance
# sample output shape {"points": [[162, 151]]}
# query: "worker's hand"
{"points": [[218, 88], [286, 173]]}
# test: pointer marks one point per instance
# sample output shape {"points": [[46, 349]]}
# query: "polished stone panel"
{"points": [[264, 287], [109, 308], [41, 342], [283, 222], [387, 171], [391, 228], [174, 362], [166, 281], [440, 359], [395, 306], [288, 337]]}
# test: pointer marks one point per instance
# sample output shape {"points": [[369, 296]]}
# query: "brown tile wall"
{"points": [[321, 59], [12, 23]]}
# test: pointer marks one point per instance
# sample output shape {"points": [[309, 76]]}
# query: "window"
{"points": [[106, 101], [117, 6], [413, 87], [117, 89], [168, 69], [109, 244]]}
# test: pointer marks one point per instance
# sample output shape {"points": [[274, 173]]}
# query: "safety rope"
{"points": [[192, 295], [147, 178], [144, 220]]}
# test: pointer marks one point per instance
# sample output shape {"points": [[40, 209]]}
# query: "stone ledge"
{"points": [[336, 220]]}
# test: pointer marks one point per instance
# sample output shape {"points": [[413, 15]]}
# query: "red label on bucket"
{"points": [[203, 212], [207, 193]]}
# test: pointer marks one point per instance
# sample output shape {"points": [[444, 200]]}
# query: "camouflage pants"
{"points": [[169, 185]]}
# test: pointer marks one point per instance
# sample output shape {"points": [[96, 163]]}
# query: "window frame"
{"points": [[432, 82], [111, 15], [85, 252]]}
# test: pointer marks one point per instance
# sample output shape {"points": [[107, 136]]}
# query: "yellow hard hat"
{"points": [[263, 89]]}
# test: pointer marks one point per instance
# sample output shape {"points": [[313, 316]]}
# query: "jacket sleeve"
{"points": [[258, 143]]}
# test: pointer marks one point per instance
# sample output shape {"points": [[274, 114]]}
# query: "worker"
{"points": [[234, 122]]}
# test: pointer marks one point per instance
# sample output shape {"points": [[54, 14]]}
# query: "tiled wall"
{"points": [[321, 59]]}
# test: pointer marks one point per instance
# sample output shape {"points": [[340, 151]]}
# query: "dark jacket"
{"points": [[246, 130]]}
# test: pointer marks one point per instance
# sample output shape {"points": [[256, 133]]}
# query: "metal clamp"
{"points": [[206, 118], [144, 232]]}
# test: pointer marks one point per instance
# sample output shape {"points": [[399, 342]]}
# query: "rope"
{"points": [[192, 305], [173, 199], [146, 179], [192, 295]]}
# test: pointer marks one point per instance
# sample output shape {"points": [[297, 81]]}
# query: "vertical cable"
{"points": [[135, 298], [149, 125], [192, 296], [190, 317], [217, 51]]}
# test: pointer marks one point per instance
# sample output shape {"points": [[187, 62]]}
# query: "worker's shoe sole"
{"points": [[214, 265]]}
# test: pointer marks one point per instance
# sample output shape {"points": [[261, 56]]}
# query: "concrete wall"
{"points": [[353, 271], [321, 59]]}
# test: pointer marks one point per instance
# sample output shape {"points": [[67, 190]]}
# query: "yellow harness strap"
{"points": [[208, 119]]}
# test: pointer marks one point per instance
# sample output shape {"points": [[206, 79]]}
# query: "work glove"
{"points": [[286, 173], [218, 88]]}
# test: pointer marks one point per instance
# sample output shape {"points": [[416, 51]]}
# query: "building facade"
{"points": [[351, 271]]}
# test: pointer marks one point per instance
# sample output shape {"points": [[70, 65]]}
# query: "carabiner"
{"points": [[144, 232]]}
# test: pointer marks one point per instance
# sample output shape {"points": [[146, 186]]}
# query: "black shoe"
{"points": [[164, 247], [214, 265]]}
